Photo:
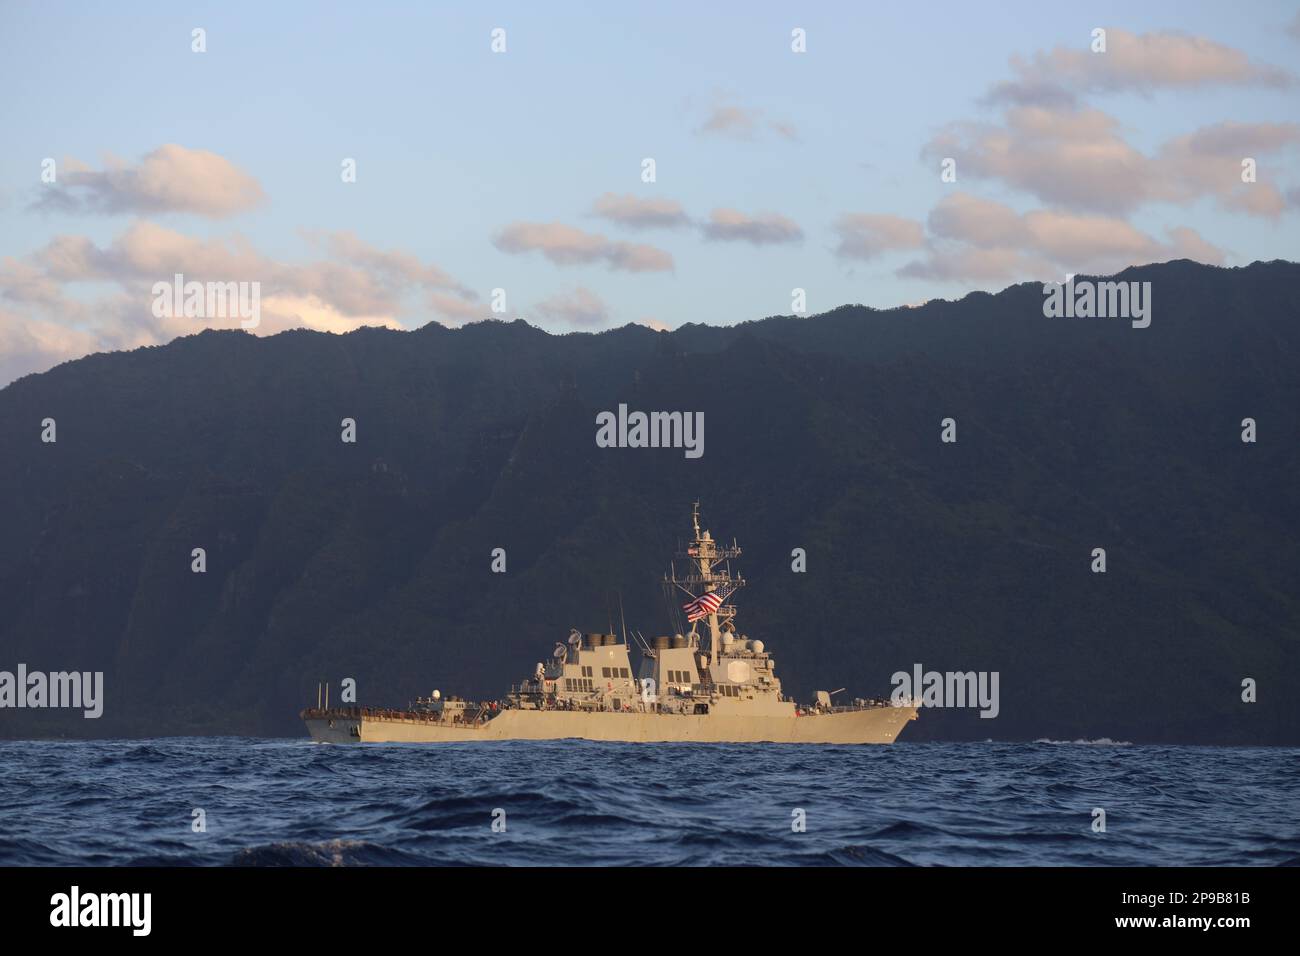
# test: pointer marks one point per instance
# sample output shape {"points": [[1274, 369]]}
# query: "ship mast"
{"points": [[709, 577]]}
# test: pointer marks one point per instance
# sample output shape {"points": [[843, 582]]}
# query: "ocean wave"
{"points": [[292, 803], [1099, 742]]}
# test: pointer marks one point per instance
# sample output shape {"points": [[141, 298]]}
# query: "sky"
{"points": [[512, 183]]}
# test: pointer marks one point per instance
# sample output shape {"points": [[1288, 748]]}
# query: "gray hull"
{"points": [[872, 725]]}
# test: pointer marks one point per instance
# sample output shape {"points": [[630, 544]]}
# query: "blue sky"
{"points": [[455, 145]]}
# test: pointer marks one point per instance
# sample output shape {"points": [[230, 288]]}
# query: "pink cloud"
{"points": [[730, 225], [978, 239], [172, 178], [581, 308], [866, 235], [1076, 158], [567, 245], [637, 213], [1132, 62]]}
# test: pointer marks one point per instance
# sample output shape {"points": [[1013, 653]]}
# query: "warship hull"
{"points": [[871, 725], [725, 692]]}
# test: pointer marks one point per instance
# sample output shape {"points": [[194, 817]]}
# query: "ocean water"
{"points": [[292, 802]]}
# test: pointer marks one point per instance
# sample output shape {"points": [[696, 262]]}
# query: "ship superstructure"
{"points": [[707, 683]]}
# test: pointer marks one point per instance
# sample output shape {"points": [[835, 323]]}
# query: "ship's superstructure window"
{"points": [[587, 672], [622, 672]]}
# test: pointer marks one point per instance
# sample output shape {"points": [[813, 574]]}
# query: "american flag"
{"points": [[693, 551], [703, 606]]}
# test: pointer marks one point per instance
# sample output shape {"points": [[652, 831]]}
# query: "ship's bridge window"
{"points": [[604, 672], [587, 672], [622, 672]]}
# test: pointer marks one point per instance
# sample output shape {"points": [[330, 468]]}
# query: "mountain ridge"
{"points": [[372, 561]]}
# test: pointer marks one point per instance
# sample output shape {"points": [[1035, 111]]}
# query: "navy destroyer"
{"points": [[725, 691]]}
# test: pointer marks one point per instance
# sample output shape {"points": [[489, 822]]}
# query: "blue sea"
{"points": [[291, 802]]}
